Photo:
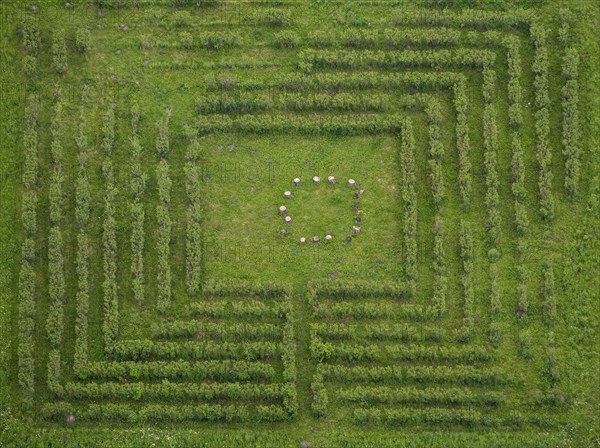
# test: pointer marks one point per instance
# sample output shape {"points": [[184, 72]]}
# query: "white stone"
{"points": [[316, 179], [328, 237], [352, 182], [283, 209], [356, 229], [302, 239], [315, 239], [297, 181], [288, 219], [331, 179]]}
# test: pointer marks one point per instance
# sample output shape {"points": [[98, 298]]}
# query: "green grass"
{"points": [[244, 176]]}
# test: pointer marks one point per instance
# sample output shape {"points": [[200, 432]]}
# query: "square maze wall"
{"points": [[124, 318]]}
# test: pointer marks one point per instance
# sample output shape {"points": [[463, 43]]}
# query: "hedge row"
{"points": [[342, 310], [490, 145], [521, 220], [467, 259], [518, 186], [137, 186], [352, 289], [32, 37], [320, 399], [82, 212], [351, 59], [372, 395], [521, 292], [548, 295], [440, 281], [336, 81], [571, 133], [288, 359], [379, 332], [462, 141], [549, 316], [193, 179], [80, 357], [241, 102], [495, 332], [163, 216], [552, 365], [157, 413], [322, 351], [409, 196], [542, 121], [59, 51], [474, 18], [391, 38], [56, 277], [407, 416], [457, 374], [170, 391], [436, 150], [217, 330], [134, 350], [110, 325], [27, 290], [515, 94], [53, 372], [180, 370], [250, 309], [292, 123]]}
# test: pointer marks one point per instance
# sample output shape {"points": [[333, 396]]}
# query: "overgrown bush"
{"points": [[59, 51], [286, 39], [83, 40]]}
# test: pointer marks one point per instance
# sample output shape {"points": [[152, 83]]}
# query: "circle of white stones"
{"points": [[287, 219]]}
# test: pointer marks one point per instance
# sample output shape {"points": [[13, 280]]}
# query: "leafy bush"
{"points": [[30, 65], [548, 295], [218, 40], [320, 401], [83, 40], [286, 39], [32, 37], [59, 51]]}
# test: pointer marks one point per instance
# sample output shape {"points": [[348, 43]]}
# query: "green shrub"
{"points": [[32, 37], [30, 65], [83, 40], [286, 39], [59, 51], [320, 400], [187, 40]]}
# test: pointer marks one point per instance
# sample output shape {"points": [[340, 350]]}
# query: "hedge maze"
{"points": [[483, 108]]}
